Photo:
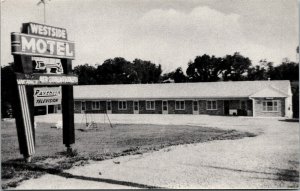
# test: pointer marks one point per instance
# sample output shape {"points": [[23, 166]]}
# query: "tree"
{"points": [[116, 71], [176, 76], [204, 69], [257, 73], [261, 71], [86, 74], [147, 71], [234, 67], [179, 76], [207, 68], [7, 79], [121, 71], [285, 71], [168, 77]]}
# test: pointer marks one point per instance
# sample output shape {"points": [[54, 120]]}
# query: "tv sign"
{"points": [[47, 96]]}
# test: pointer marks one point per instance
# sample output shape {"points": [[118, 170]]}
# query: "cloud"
{"points": [[200, 21], [175, 37]]}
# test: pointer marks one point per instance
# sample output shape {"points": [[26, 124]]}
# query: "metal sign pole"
{"points": [[23, 109], [68, 108]]}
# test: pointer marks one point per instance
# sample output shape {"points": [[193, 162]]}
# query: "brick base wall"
{"points": [[188, 107], [218, 111], [115, 108], [259, 108], [101, 110], [157, 107]]}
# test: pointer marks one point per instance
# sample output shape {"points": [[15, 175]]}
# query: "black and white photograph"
{"points": [[149, 94]]}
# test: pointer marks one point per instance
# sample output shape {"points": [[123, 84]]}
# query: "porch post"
{"points": [[253, 107], [286, 105]]}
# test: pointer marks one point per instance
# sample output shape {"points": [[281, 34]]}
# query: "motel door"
{"points": [[136, 107], [195, 108], [243, 108], [165, 107], [108, 107], [83, 107]]}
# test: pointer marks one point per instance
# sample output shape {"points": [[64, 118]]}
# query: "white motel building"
{"points": [[242, 98]]}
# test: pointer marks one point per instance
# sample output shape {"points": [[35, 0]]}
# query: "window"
{"points": [[95, 105], [108, 105], [271, 105], [179, 105], [211, 105], [122, 105], [149, 105]]}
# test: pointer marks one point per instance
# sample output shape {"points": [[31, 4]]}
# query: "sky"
{"points": [[166, 32]]}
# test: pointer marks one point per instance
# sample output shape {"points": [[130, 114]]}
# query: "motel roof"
{"points": [[231, 89]]}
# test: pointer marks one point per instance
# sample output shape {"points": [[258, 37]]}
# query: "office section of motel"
{"points": [[242, 98]]}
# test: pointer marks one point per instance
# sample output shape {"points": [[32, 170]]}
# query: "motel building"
{"points": [[241, 98]]}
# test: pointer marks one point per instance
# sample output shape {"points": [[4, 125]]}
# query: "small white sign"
{"points": [[47, 65], [47, 96]]}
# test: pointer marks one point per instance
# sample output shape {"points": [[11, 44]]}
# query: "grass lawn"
{"points": [[100, 143]]}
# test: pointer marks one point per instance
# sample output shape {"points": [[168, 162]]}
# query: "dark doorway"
{"points": [[50, 108], [243, 110], [226, 107]]}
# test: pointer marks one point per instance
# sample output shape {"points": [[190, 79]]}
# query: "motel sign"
{"points": [[40, 46], [39, 82]]}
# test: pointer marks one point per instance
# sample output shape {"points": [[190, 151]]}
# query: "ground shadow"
{"points": [[290, 120], [105, 180], [280, 174], [287, 174], [59, 172]]}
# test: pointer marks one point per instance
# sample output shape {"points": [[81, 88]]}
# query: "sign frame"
{"points": [[23, 96]]}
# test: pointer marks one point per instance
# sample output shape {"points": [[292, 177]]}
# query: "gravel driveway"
{"points": [[269, 160]]}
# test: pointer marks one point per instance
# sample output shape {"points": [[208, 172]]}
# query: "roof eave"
{"points": [[144, 98]]}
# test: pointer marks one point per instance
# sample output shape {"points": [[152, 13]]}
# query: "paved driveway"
{"points": [[269, 160]]}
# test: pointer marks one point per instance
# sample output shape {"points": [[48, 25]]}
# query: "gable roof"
{"points": [[232, 89], [269, 92]]}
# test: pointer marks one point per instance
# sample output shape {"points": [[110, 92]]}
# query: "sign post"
{"points": [[30, 48]]}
